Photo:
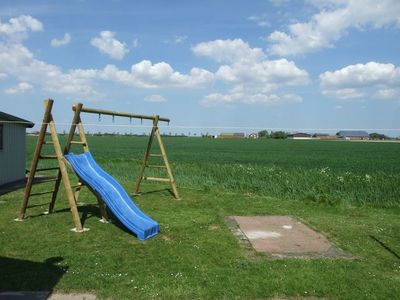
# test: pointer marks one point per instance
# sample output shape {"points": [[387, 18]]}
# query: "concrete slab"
{"points": [[284, 236]]}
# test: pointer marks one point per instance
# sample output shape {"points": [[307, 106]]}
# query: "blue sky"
{"points": [[210, 66]]}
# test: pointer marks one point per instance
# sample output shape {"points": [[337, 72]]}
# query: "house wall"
{"points": [[12, 156], [300, 138]]}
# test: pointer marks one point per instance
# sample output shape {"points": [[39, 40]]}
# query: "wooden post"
{"points": [[146, 154], [67, 147], [166, 162], [48, 104], [77, 123], [65, 178]]}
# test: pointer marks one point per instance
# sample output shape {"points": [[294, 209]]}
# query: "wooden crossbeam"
{"points": [[77, 142], [48, 157], [41, 193], [47, 169], [156, 166], [157, 179]]}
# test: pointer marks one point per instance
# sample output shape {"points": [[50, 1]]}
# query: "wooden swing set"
{"points": [[62, 174]]}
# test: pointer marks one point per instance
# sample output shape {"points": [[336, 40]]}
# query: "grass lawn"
{"points": [[195, 255]]}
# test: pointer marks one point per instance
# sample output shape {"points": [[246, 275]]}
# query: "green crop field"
{"points": [[347, 190], [321, 171]]}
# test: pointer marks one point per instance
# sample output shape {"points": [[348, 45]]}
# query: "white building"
{"points": [[12, 148]]}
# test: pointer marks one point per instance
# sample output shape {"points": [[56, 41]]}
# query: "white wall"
{"points": [[12, 156]]}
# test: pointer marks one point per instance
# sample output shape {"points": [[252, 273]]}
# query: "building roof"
{"points": [[321, 134], [10, 118], [299, 134], [352, 133], [232, 133]]}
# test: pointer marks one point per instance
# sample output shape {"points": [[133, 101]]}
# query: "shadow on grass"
{"points": [[90, 211], [25, 275], [386, 247], [166, 191]]}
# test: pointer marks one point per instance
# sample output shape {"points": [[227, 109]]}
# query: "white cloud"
{"points": [[65, 40], [246, 73], [145, 74], [344, 94], [331, 23], [177, 39], [228, 51], [155, 98], [135, 43], [279, 2], [261, 21], [18, 28], [253, 78], [355, 81], [20, 88], [107, 44], [232, 99], [387, 93], [17, 61], [282, 72], [3, 76]]}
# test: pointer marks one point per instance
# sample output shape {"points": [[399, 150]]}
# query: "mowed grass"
{"points": [[195, 256]]}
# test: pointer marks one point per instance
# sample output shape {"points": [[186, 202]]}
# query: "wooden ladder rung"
{"points": [[78, 142], [156, 166], [47, 156], [41, 193], [51, 179], [157, 179], [48, 142], [77, 185], [47, 169], [155, 155]]}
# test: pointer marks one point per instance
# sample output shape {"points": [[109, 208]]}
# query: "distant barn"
{"points": [[253, 136], [232, 135], [12, 148], [353, 135], [299, 136], [324, 136]]}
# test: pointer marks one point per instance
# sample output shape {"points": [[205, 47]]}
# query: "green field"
{"points": [[347, 190], [329, 172]]}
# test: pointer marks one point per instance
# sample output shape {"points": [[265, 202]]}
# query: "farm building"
{"points": [[299, 136], [353, 135], [12, 148], [232, 135], [253, 136], [324, 136]]}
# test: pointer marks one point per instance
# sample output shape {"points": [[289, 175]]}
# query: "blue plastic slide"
{"points": [[113, 194]]}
